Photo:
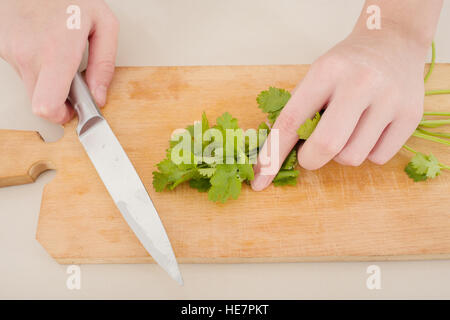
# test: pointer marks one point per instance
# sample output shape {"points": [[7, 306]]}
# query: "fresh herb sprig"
{"points": [[223, 180], [220, 177], [421, 166]]}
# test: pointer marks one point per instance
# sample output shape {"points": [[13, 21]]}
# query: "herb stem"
{"points": [[434, 123], [433, 113], [409, 149], [443, 166], [436, 92], [431, 138], [435, 134]]}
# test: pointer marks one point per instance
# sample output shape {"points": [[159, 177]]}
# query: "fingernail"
{"points": [[260, 182], [100, 95]]}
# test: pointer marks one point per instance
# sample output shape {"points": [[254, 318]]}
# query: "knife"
{"points": [[120, 178]]}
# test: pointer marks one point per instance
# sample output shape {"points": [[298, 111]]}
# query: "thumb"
{"points": [[102, 56]]}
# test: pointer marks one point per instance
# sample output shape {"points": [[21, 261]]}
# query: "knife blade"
{"points": [[120, 178]]}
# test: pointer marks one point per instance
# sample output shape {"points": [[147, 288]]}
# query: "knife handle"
{"points": [[81, 99]]}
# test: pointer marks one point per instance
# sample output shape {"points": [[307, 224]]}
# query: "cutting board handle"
{"points": [[23, 157]]}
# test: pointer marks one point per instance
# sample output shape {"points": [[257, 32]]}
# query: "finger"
{"points": [[52, 88], [29, 78], [27, 67], [394, 137], [102, 56], [366, 134], [310, 96], [334, 129]]}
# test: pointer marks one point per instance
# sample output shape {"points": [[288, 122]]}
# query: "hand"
{"points": [[46, 54], [371, 86]]}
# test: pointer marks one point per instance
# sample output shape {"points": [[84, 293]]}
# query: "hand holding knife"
{"points": [[120, 178]]}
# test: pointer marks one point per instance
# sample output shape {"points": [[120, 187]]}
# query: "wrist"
{"points": [[395, 33], [408, 23]]}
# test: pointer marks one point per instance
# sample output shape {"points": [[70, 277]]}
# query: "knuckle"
{"points": [[329, 64], [38, 106], [105, 67], [328, 145], [41, 111], [45, 109], [36, 111], [391, 92], [367, 77], [287, 122]]}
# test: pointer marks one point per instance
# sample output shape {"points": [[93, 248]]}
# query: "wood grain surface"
{"points": [[335, 213]]}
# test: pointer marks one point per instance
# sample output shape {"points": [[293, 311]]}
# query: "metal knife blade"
{"points": [[121, 179]]}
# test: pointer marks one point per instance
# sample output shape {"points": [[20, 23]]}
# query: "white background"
{"points": [[202, 32]]}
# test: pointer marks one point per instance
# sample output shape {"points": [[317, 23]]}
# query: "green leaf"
{"points": [[286, 177], [426, 165], [166, 166], [183, 176], [205, 122], [422, 167], [307, 128], [419, 163], [273, 100], [434, 169], [222, 181], [262, 133], [263, 126], [190, 129], [226, 121], [160, 181], [246, 172], [171, 175], [201, 184], [290, 161], [273, 116], [225, 183], [207, 172], [412, 173]]}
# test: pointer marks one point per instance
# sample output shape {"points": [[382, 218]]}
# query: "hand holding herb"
{"points": [[370, 87]]}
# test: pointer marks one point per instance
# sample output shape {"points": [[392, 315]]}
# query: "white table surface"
{"points": [[202, 32]]}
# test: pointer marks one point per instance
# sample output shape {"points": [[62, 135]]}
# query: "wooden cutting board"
{"points": [[336, 213]]}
